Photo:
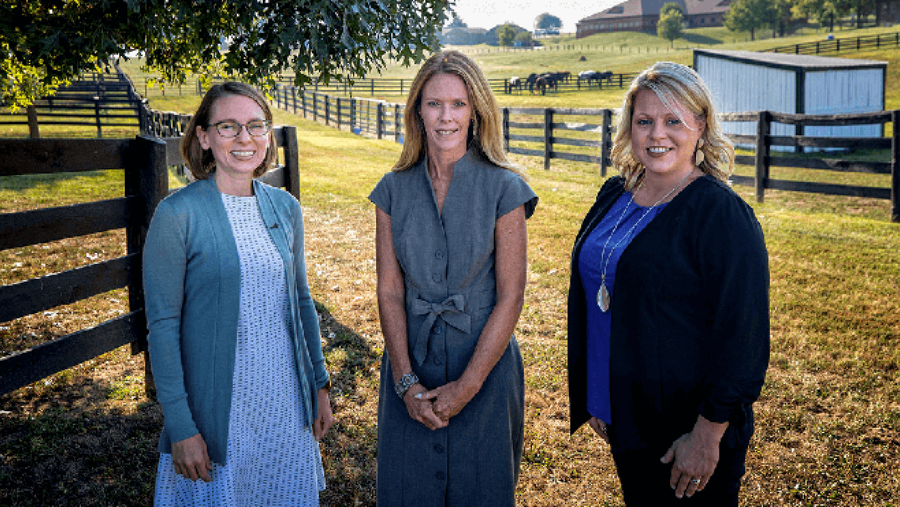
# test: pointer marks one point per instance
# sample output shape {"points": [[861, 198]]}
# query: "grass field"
{"points": [[828, 421]]}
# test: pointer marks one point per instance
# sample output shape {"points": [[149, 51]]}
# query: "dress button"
{"points": [[437, 330], [437, 277], [438, 361], [438, 255], [439, 476], [438, 448]]}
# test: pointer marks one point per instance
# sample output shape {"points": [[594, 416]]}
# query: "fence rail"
{"points": [[104, 101], [877, 41], [585, 135]]}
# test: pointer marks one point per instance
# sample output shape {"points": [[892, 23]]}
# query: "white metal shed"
{"points": [[743, 81]]}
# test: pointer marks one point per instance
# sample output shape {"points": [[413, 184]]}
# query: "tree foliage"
{"points": [[505, 35], [748, 16], [671, 22], [548, 21], [823, 11], [247, 39], [523, 38]]}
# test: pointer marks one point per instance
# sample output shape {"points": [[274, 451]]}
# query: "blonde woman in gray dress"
{"points": [[451, 249]]}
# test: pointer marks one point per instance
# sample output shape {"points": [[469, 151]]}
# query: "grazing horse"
{"points": [[529, 81], [606, 75], [515, 84], [545, 81], [561, 77]]}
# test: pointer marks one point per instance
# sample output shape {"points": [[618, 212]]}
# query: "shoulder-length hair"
{"points": [[201, 162], [674, 84], [485, 132]]}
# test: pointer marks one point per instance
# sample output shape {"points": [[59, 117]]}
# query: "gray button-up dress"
{"points": [[448, 266]]}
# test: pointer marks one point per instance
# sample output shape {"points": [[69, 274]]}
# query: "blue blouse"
{"points": [[628, 215]]}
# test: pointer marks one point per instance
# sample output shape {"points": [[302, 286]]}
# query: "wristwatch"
{"points": [[405, 383]]}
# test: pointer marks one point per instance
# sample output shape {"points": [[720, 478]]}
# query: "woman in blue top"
{"points": [[668, 302], [234, 336]]}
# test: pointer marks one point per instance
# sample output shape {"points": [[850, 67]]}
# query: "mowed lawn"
{"points": [[828, 421]]}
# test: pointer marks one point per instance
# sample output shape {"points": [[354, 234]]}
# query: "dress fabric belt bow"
{"points": [[451, 310]]}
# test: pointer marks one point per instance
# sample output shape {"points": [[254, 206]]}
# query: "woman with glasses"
{"points": [[234, 336]]}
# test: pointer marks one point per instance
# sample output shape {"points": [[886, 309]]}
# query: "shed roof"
{"points": [[789, 61], [652, 7]]}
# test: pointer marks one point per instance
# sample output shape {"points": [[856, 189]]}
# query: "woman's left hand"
{"points": [[449, 399], [325, 418], [694, 457]]}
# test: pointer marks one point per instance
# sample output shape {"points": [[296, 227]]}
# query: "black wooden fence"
{"points": [[99, 101], [145, 161], [585, 135], [877, 41]]}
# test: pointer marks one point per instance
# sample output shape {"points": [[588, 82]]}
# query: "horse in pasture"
{"points": [[545, 82], [515, 84], [529, 81]]}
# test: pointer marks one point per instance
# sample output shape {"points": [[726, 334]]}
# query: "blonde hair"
{"points": [[674, 84], [486, 129], [202, 162]]}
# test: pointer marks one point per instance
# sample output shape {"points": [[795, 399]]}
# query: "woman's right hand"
{"points": [[422, 410], [599, 427], [190, 458]]}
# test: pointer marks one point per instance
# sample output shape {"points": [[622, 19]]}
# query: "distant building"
{"points": [[456, 36], [642, 16]]}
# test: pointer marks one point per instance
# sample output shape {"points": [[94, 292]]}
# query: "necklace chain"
{"points": [[603, 296]]}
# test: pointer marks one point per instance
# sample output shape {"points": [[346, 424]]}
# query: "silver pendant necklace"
{"points": [[603, 297]]}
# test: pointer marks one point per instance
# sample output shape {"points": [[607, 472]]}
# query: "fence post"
{"points": [[548, 136], [34, 130], [327, 110], [147, 177], [606, 141], [97, 116], [291, 161], [397, 121], [379, 112], [339, 113], [352, 114], [895, 166], [506, 129], [763, 119], [315, 104], [303, 100]]}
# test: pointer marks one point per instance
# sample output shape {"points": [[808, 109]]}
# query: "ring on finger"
{"points": [[695, 480]]}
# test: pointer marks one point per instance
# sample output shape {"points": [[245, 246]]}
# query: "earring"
{"points": [[475, 128], [699, 156]]}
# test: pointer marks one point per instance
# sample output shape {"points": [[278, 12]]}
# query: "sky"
{"points": [[490, 13]]}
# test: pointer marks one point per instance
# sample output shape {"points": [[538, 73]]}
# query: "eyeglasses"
{"points": [[229, 129]]}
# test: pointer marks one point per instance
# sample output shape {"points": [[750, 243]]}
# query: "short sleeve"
{"points": [[516, 193], [381, 195]]}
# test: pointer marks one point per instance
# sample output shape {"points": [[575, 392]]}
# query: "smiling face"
{"points": [[236, 157], [446, 112], [662, 141]]}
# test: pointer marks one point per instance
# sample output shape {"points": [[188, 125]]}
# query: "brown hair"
{"points": [[201, 162], [674, 83], [485, 132]]}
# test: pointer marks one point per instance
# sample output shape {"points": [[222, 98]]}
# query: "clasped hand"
{"points": [[434, 408]]}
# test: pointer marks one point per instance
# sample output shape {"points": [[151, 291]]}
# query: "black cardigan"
{"points": [[690, 320]]}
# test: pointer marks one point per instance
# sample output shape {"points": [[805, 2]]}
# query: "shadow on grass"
{"points": [[62, 442], [695, 38]]}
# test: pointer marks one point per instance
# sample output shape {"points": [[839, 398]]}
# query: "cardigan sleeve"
{"points": [[308, 316], [736, 285], [165, 265]]}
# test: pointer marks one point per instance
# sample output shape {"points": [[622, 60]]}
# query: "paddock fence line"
{"points": [[877, 41], [585, 135], [101, 100], [145, 160]]}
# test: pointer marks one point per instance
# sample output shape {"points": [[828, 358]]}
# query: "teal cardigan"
{"points": [[192, 285]]}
